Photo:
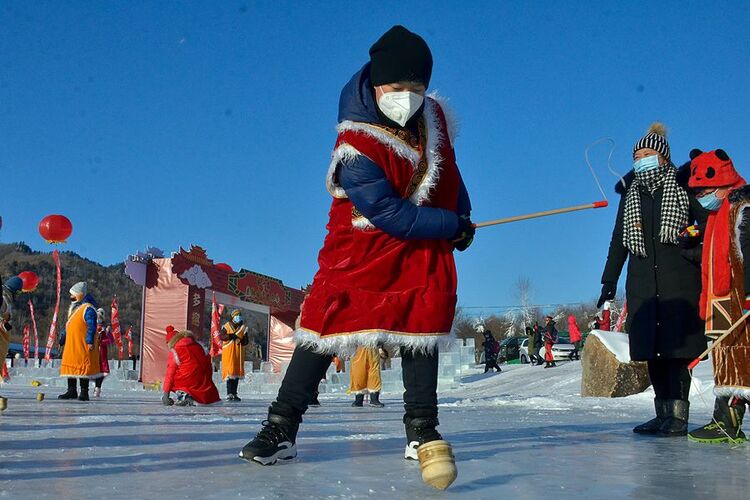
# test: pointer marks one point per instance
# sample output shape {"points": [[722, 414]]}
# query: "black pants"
{"points": [[490, 364], [670, 378], [98, 382], [307, 368], [232, 384]]}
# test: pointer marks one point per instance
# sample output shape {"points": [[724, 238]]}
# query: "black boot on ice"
{"points": [[419, 431], [676, 424], [653, 425], [359, 400], [72, 392], [84, 394], [274, 442], [375, 400], [726, 426]]}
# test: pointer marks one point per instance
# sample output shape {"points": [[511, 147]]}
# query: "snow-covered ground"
{"points": [[522, 433]]}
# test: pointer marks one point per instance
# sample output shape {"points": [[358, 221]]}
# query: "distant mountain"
{"points": [[104, 282]]}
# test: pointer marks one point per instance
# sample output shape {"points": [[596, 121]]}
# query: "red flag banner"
{"points": [[116, 331], [52, 337], [129, 336], [26, 341], [215, 328], [36, 333]]}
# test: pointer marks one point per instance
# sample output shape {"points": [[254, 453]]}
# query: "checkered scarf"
{"points": [[674, 208]]}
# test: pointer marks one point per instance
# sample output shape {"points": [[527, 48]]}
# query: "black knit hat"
{"points": [[400, 56], [656, 139]]}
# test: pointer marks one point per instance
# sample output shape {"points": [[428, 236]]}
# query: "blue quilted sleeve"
{"points": [[373, 195]]}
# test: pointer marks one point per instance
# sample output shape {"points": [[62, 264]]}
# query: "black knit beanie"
{"points": [[400, 56], [656, 139]]}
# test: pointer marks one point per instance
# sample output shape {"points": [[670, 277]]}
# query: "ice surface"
{"points": [[618, 343], [522, 433]]}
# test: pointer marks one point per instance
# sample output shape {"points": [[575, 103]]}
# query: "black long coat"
{"points": [[663, 288]]}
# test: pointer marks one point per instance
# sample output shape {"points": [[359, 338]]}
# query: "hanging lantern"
{"points": [[55, 228], [224, 267], [30, 281]]}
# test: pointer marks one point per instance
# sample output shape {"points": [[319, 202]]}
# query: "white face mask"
{"points": [[400, 106]]}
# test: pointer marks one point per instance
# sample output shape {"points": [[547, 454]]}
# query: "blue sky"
{"points": [[171, 123]]}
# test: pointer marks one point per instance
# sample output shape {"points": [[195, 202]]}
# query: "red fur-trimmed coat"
{"points": [[372, 287], [189, 369]]}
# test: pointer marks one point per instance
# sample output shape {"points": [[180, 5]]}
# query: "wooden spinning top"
{"points": [[437, 463]]}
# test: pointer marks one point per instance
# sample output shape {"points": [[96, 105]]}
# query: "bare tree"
{"points": [[524, 314]]}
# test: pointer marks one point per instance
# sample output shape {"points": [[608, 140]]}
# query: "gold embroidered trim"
{"points": [[418, 143]]}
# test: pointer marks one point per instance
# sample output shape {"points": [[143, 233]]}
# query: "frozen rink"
{"points": [[523, 433]]}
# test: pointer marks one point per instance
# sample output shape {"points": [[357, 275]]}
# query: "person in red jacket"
{"points": [[188, 370], [575, 337]]}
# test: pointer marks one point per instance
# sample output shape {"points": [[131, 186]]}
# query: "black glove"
{"points": [[166, 400], [609, 290], [464, 235]]}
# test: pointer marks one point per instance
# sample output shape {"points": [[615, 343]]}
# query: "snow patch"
{"points": [[617, 343]]}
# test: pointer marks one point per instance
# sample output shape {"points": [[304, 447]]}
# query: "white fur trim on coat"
{"points": [[732, 391], [435, 138], [737, 231], [92, 377], [450, 116], [348, 344], [363, 223], [342, 154]]}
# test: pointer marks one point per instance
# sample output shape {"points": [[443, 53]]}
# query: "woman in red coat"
{"points": [[188, 370], [575, 337]]}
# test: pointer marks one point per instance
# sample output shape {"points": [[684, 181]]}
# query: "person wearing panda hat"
{"points": [[725, 293]]}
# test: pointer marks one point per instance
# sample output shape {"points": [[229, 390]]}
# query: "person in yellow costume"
{"points": [[80, 358], [234, 336], [365, 376]]}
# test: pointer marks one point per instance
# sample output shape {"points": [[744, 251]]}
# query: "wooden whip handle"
{"points": [[596, 204], [719, 340]]}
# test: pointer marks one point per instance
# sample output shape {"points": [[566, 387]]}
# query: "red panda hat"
{"points": [[713, 169]]}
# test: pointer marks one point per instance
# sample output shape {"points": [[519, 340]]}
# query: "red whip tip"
{"points": [[694, 364], [601, 204]]}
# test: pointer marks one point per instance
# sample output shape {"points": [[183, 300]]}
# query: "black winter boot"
{"points": [[72, 392], [375, 400], [359, 400], [419, 431], [84, 394], [676, 423], [726, 425], [653, 425], [274, 442]]}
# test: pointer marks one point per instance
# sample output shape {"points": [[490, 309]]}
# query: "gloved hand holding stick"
{"points": [[724, 335]]}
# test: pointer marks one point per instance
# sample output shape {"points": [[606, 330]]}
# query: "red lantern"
{"points": [[224, 267], [30, 281], [55, 228]]}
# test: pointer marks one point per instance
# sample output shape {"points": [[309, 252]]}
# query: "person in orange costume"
{"points": [[80, 359], [365, 376], [234, 339]]}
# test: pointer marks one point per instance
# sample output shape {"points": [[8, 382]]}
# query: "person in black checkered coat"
{"points": [[663, 280]]}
